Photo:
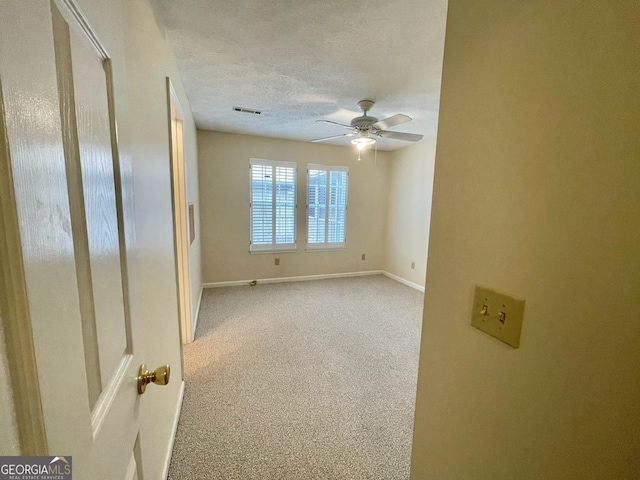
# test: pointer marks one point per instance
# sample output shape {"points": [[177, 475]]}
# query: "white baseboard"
{"points": [[194, 323], [174, 430], [292, 279], [303, 278], [405, 282]]}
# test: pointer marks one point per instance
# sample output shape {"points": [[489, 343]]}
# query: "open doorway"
{"points": [[183, 225]]}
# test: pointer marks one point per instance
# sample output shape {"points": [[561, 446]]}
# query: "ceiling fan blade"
{"points": [[391, 121], [334, 123], [408, 137], [333, 136]]}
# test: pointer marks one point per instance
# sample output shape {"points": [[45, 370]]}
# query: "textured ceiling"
{"points": [[299, 61]]}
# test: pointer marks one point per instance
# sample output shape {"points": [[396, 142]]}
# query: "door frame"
{"points": [[179, 210]]}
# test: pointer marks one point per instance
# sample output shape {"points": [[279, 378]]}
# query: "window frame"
{"points": [[259, 248], [326, 245]]}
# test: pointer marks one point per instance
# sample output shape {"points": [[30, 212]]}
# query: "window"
{"points": [[326, 206], [273, 205]]}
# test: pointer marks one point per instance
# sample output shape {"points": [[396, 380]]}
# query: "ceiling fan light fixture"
{"points": [[363, 142]]}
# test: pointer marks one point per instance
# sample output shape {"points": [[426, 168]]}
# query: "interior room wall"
{"points": [[190, 165], [537, 194], [141, 73], [409, 210], [224, 196]]}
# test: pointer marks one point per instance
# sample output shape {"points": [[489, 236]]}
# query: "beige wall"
{"points": [[407, 226], [190, 166], [537, 193], [149, 47], [224, 194], [149, 62]]}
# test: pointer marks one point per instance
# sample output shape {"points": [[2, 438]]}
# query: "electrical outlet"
{"points": [[363, 257], [498, 314], [413, 265], [277, 261]]}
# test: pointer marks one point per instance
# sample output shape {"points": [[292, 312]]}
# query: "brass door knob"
{"points": [[160, 376]]}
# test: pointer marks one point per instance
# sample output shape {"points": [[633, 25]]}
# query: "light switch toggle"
{"points": [[490, 312]]}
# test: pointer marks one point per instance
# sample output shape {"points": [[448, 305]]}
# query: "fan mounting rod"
{"points": [[366, 105]]}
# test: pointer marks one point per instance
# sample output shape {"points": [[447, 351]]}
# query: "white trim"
{"points": [[81, 20], [302, 278], [325, 247], [405, 282], [261, 248], [18, 332], [108, 395], [194, 320], [182, 248], [266, 252], [327, 168], [174, 430], [273, 163]]}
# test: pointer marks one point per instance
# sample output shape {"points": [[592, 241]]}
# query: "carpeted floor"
{"points": [[303, 380]]}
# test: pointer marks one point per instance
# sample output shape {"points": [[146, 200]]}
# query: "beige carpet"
{"points": [[304, 380]]}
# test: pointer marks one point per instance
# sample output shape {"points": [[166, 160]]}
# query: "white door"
{"points": [[61, 147]]}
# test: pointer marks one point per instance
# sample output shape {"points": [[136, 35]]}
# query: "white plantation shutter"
{"points": [[337, 202], [261, 205], [326, 206], [273, 205], [317, 201], [285, 205]]}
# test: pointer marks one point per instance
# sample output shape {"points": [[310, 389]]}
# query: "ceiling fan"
{"points": [[366, 129]]}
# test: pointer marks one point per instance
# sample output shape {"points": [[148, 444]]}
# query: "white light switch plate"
{"points": [[498, 314]]}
